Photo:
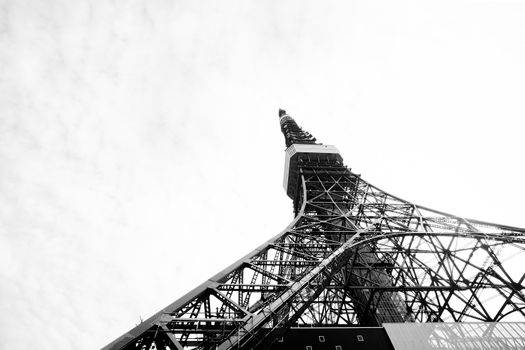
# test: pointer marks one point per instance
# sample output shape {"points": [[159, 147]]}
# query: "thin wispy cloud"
{"points": [[140, 151]]}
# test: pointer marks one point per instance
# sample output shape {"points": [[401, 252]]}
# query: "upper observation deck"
{"points": [[301, 145]]}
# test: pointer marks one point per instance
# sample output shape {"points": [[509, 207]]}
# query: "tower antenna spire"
{"points": [[293, 133]]}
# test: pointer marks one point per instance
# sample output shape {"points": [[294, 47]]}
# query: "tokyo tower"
{"points": [[357, 268]]}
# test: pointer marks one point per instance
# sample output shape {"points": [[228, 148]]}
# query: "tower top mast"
{"points": [[293, 133]]}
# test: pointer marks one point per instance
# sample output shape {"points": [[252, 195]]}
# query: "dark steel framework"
{"points": [[353, 255]]}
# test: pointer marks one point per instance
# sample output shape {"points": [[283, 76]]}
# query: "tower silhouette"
{"points": [[354, 255]]}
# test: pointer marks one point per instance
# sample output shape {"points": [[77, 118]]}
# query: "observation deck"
{"points": [[301, 146]]}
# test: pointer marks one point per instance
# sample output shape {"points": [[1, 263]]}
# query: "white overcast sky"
{"points": [[140, 150]]}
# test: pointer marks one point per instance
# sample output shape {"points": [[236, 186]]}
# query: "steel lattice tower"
{"points": [[353, 255]]}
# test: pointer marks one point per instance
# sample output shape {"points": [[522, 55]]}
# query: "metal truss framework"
{"points": [[353, 255]]}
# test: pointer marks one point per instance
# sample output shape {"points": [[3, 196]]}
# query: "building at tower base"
{"points": [[407, 336]]}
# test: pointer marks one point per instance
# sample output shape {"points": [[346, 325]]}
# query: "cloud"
{"points": [[140, 150]]}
